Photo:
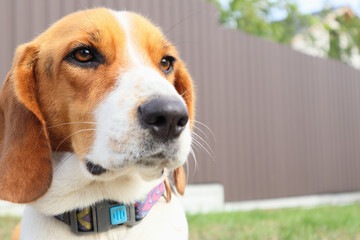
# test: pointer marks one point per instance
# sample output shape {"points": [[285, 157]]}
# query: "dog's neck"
{"points": [[72, 188]]}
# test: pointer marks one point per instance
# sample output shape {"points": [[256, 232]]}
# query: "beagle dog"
{"points": [[95, 116]]}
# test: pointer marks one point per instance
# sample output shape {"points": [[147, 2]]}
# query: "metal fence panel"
{"points": [[285, 123]]}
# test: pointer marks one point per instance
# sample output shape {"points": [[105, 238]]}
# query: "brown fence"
{"points": [[285, 123]]}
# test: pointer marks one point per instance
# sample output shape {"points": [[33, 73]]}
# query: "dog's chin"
{"points": [[149, 169], [151, 173]]}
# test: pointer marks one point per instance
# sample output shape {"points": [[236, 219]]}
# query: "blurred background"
{"points": [[278, 91]]}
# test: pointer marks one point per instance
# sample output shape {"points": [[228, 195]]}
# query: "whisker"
{"points": [[183, 43], [186, 97], [68, 123], [200, 145], [200, 130], [201, 139], [52, 115], [195, 149], [62, 162], [195, 161], [92, 22], [180, 21], [185, 92], [198, 122], [187, 171], [198, 148], [46, 122], [79, 131]]}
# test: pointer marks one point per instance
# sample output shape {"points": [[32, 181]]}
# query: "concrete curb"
{"points": [[291, 202], [205, 198]]}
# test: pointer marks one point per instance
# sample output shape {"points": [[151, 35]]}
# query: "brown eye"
{"points": [[166, 64], [83, 55]]}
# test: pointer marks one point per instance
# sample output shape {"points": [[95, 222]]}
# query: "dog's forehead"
{"points": [[142, 29], [102, 26], [89, 23]]}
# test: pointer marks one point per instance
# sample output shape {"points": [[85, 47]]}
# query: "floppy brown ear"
{"points": [[25, 159], [184, 87]]}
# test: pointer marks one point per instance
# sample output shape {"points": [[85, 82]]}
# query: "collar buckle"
{"points": [[112, 214], [105, 215]]}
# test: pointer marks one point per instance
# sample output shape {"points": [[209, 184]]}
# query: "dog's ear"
{"points": [[180, 180], [184, 86], [25, 158]]}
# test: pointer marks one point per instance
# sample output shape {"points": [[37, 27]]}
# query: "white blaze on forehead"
{"points": [[124, 19]]}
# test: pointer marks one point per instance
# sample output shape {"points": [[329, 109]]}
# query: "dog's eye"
{"points": [[83, 55], [166, 64]]}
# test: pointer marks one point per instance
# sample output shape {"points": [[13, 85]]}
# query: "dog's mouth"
{"points": [[157, 160], [95, 169]]}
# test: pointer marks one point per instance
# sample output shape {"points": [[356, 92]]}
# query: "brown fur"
{"points": [[23, 137], [180, 180], [42, 91], [167, 190]]}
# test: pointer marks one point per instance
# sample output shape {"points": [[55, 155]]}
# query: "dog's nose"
{"points": [[166, 117]]}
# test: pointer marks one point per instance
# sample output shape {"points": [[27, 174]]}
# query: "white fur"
{"points": [[122, 146], [125, 22], [164, 221]]}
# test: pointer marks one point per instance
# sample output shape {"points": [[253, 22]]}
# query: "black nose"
{"points": [[166, 117]]}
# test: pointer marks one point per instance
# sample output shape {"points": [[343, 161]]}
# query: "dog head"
{"points": [[104, 85]]}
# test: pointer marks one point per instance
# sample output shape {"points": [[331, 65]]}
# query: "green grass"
{"points": [[296, 224], [7, 224]]}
